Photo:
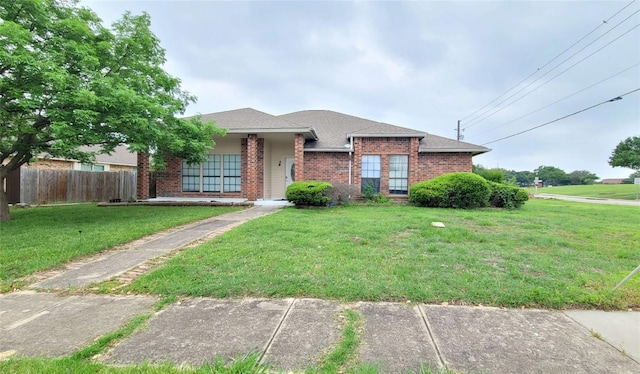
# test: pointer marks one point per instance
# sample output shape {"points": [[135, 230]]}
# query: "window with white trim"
{"points": [[207, 176], [370, 172], [398, 174]]}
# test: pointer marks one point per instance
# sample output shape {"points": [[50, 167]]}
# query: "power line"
{"points": [[559, 100], [553, 59], [567, 116], [554, 77], [477, 120]]}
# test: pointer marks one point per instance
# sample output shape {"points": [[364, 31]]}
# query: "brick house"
{"points": [[262, 154]]}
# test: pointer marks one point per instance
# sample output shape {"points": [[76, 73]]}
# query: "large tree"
{"points": [[552, 175], [627, 154], [579, 177], [67, 81]]}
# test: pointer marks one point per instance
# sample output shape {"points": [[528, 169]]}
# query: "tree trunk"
{"points": [[4, 204]]}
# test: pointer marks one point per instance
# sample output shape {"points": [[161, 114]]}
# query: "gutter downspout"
{"points": [[350, 157]]}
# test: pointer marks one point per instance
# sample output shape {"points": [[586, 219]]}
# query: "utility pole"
{"points": [[458, 130]]}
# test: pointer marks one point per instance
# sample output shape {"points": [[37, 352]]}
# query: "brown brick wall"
{"points": [[142, 176], [431, 165], [327, 166], [51, 164]]}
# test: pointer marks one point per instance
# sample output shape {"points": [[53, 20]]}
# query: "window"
{"points": [[91, 167], [211, 174], [370, 172], [399, 174], [232, 173], [206, 177], [190, 177]]}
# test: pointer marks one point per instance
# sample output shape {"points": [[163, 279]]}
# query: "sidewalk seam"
{"points": [[275, 333], [425, 320]]}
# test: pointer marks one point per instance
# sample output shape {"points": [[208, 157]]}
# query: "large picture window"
{"points": [[370, 172], [399, 174], [206, 177], [232, 173]]}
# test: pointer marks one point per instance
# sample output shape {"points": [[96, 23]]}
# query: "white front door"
{"points": [[290, 171]]}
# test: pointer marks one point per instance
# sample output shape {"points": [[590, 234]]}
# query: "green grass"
{"points": [[345, 352], [41, 238], [552, 254], [603, 191], [240, 365]]}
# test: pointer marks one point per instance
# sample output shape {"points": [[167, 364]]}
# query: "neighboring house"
{"points": [[120, 160], [262, 154], [612, 181]]}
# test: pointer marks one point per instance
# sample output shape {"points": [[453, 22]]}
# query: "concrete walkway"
{"points": [[291, 334]]}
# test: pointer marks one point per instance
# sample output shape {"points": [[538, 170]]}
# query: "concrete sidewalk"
{"points": [[291, 334]]}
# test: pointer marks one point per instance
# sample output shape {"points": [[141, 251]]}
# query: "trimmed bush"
{"points": [[492, 175], [507, 196], [454, 190], [309, 193]]}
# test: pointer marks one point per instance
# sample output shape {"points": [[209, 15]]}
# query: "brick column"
{"points": [[299, 156], [252, 167], [414, 174], [142, 176]]}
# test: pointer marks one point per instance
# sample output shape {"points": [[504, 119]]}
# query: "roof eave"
{"points": [[473, 151], [309, 132]]}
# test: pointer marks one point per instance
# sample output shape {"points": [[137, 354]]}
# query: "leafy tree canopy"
{"points": [[552, 175], [67, 81], [627, 154]]}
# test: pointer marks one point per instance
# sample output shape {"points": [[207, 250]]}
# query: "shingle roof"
{"points": [[433, 143], [327, 130], [334, 128]]}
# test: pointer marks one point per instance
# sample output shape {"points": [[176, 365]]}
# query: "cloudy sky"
{"points": [[421, 64]]}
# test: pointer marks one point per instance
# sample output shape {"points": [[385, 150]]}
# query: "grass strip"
{"points": [[346, 351], [603, 191], [242, 364], [109, 339]]}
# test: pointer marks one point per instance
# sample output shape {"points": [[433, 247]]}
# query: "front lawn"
{"points": [[551, 254], [40, 238]]}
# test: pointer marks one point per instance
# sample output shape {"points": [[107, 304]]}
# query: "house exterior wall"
{"points": [[263, 165], [169, 180], [431, 165], [51, 164], [327, 166], [280, 150]]}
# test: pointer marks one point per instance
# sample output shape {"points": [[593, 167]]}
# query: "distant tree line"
{"points": [[549, 175]]}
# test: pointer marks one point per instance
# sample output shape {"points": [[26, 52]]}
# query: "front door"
{"points": [[290, 171]]}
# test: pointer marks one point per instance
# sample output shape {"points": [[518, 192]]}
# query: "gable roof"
{"points": [[334, 130], [326, 130], [248, 120]]}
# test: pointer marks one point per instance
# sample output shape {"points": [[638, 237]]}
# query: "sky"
{"points": [[501, 67]]}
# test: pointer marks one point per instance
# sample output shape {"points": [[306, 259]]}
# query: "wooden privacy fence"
{"points": [[37, 186]]}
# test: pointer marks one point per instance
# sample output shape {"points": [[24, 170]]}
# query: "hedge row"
{"points": [[454, 190]]}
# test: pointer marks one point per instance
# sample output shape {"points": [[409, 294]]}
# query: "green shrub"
{"points": [[506, 196], [314, 193], [492, 175], [454, 190]]}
